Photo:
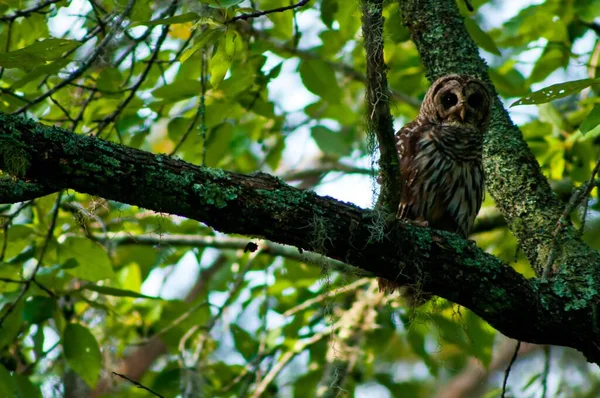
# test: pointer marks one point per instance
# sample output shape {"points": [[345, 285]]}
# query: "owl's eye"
{"points": [[449, 100], [475, 100]]}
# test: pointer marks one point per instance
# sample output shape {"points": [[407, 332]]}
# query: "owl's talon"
{"points": [[418, 222]]}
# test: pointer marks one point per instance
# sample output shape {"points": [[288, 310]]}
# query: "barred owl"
{"points": [[440, 157]]}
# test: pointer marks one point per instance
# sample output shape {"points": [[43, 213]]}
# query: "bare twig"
{"points": [[344, 289], [507, 372], [28, 11], [580, 195], [262, 13], [266, 247], [87, 63], [138, 384], [27, 283], [133, 90]]}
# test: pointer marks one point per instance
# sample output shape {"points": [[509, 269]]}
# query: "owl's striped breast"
{"points": [[445, 184]]}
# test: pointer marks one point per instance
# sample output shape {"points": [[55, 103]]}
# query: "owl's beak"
{"points": [[463, 112]]}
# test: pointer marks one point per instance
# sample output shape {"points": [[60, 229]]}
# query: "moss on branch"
{"points": [[548, 312]]}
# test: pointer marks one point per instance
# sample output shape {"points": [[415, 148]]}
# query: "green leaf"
{"points": [[328, 10], [230, 37], [591, 121], [244, 342], [481, 338], [219, 65], [555, 91], [26, 388], [178, 90], [218, 143], [42, 70], [38, 308], [182, 18], [39, 52], [206, 38], [480, 37], [93, 261], [221, 4], [109, 80], [329, 141], [82, 353], [552, 58], [113, 291], [8, 387], [319, 78], [19, 236], [11, 327]]}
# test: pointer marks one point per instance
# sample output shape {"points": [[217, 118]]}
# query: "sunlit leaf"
{"points": [[82, 353], [113, 291], [480, 37], [219, 65], [244, 342], [591, 121], [182, 18], [92, 259], [329, 141], [320, 79], [206, 38], [556, 91], [42, 70], [179, 90]]}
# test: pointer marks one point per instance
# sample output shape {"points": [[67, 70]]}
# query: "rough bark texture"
{"points": [[543, 312]]}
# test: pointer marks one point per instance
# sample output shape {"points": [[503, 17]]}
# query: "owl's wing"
{"points": [[407, 140]]}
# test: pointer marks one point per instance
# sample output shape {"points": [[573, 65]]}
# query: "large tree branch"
{"points": [[542, 312]]}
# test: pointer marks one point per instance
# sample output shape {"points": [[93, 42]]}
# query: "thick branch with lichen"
{"points": [[542, 312], [379, 117]]}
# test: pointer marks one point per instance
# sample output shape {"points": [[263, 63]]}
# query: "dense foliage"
{"points": [[91, 287]]}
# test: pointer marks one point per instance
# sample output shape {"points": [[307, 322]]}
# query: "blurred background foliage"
{"points": [[188, 312]]}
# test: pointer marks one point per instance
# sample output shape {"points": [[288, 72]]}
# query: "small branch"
{"points": [[133, 90], [231, 243], [341, 67], [286, 358], [86, 64], [379, 117], [28, 11], [27, 283], [579, 196], [138, 384], [327, 295], [262, 13], [507, 373]]}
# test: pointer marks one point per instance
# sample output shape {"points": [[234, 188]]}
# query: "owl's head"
{"points": [[459, 100]]}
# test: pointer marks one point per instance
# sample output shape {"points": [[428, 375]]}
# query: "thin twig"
{"points": [[28, 11], [344, 289], [133, 90], [580, 195], [86, 64], [138, 384], [507, 372], [546, 370], [27, 284], [262, 13]]}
